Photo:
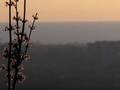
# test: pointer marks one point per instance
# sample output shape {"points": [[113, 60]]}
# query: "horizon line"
{"points": [[71, 22]]}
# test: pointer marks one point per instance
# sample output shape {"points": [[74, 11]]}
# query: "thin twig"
{"points": [[20, 44], [10, 43], [17, 21]]}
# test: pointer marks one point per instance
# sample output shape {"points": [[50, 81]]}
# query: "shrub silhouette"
{"points": [[19, 42]]}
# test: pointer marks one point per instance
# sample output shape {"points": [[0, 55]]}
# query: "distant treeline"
{"points": [[94, 66]]}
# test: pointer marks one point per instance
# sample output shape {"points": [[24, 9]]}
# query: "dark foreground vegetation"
{"points": [[93, 66]]}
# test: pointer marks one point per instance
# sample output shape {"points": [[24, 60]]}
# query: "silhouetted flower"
{"points": [[26, 57], [15, 43], [28, 45], [5, 53], [21, 77], [35, 17], [31, 27], [16, 0], [26, 37], [3, 67], [20, 67], [18, 18], [11, 75], [12, 27], [13, 63], [7, 4], [6, 28], [14, 18], [12, 3], [24, 21]]}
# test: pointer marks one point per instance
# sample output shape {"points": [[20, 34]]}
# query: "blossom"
{"points": [[5, 53], [15, 43], [24, 21], [31, 27], [13, 63], [3, 67], [12, 3], [6, 28], [12, 27], [14, 18], [26, 37], [20, 77], [11, 75], [35, 16], [28, 45], [20, 67], [16, 0], [7, 4], [26, 57], [17, 18]]}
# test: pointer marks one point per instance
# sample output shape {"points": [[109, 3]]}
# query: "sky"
{"points": [[68, 10]]}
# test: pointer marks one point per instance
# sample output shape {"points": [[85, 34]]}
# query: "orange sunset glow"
{"points": [[69, 10]]}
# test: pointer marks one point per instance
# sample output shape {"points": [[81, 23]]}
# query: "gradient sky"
{"points": [[69, 10]]}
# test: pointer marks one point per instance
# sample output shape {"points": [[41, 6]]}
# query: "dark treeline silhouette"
{"points": [[94, 66]]}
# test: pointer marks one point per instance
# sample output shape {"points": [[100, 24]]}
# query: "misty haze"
{"points": [[81, 32], [72, 56]]}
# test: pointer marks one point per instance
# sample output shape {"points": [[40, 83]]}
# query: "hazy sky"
{"points": [[69, 10]]}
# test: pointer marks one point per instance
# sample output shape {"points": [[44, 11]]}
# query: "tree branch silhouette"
{"points": [[14, 53]]}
